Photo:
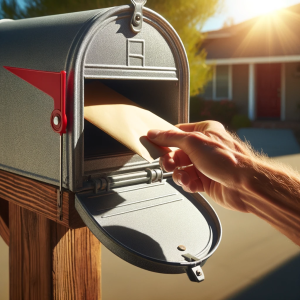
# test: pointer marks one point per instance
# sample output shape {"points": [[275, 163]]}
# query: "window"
{"points": [[220, 87], [208, 90], [222, 81]]}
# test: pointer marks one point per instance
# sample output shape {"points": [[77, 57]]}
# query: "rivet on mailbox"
{"points": [[129, 203]]}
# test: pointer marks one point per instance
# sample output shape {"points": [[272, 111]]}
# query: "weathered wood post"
{"points": [[48, 258]]}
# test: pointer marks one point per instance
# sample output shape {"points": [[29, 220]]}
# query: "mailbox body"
{"points": [[149, 67], [142, 223]]}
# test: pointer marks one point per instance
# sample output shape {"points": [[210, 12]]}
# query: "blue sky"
{"points": [[241, 10]]}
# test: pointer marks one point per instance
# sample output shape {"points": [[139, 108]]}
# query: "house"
{"points": [[257, 65]]}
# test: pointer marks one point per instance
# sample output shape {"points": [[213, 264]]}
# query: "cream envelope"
{"points": [[124, 120]]}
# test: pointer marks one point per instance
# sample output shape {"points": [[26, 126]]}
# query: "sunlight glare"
{"points": [[260, 7]]}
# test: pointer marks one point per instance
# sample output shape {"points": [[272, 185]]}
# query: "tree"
{"points": [[186, 16]]}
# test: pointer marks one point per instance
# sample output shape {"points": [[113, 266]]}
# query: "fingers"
{"points": [[188, 179], [201, 126], [173, 160], [187, 127], [190, 142], [170, 138], [174, 138]]}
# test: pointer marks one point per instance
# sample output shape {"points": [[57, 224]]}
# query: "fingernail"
{"points": [[153, 133], [161, 163], [179, 178], [185, 188]]}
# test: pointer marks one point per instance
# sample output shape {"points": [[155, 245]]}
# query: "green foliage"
{"points": [[222, 111], [187, 17], [240, 121]]}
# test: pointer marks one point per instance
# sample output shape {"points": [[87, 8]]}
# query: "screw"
{"points": [[181, 248], [56, 120], [198, 273], [137, 17]]}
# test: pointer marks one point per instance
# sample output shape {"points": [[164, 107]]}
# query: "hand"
{"points": [[212, 160], [207, 160]]}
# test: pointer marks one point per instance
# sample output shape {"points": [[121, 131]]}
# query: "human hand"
{"points": [[231, 173], [207, 160]]}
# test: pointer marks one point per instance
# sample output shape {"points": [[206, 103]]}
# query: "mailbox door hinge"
{"points": [[109, 182]]}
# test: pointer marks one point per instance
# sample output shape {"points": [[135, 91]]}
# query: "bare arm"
{"points": [[232, 174]]}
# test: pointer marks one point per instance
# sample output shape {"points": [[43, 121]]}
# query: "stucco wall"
{"points": [[240, 87], [292, 92]]}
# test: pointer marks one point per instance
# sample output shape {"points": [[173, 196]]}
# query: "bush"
{"points": [[240, 121], [222, 111]]}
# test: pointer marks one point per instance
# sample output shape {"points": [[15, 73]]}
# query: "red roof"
{"points": [[276, 34]]}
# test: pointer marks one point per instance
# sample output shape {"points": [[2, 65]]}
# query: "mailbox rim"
{"points": [[75, 69], [143, 261]]}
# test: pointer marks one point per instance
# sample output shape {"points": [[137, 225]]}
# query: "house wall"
{"points": [[292, 84], [240, 78]]}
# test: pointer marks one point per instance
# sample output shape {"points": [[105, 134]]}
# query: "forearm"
{"points": [[232, 174], [272, 192]]}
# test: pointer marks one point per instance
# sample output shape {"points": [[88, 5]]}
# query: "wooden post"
{"points": [[76, 264], [4, 224], [49, 258], [29, 255]]}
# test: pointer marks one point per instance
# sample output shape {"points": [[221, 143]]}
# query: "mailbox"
{"points": [[130, 205]]}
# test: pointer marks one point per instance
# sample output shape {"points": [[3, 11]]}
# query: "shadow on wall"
{"points": [[283, 283]]}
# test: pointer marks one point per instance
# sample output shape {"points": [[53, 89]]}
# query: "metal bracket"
{"points": [[137, 17], [190, 257], [102, 183], [155, 175], [60, 191], [195, 273]]}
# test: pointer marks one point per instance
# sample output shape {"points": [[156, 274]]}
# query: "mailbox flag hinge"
{"points": [[54, 85]]}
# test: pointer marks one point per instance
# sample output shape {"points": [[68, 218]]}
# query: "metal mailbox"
{"points": [[132, 207]]}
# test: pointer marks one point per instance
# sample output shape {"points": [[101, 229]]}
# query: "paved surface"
{"points": [[283, 283], [274, 142], [253, 261]]}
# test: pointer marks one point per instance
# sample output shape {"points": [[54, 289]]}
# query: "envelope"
{"points": [[124, 120]]}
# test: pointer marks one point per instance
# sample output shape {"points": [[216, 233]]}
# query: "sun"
{"points": [[260, 7]]}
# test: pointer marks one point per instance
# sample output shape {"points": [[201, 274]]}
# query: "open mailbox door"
{"points": [[156, 226]]}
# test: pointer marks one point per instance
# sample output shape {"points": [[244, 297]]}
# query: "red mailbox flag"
{"points": [[54, 85]]}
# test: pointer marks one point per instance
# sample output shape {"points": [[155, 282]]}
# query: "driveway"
{"points": [[273, 142], [254, 261]]}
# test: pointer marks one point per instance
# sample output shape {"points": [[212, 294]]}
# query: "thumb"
{"points": [[169, 138]]}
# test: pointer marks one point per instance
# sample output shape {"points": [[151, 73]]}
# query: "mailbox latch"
{"points": [[137, 18]]}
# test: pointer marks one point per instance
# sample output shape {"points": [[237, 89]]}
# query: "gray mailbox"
{"points": [[130, 205]]}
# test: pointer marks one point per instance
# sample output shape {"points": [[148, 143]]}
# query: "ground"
{"points": [[253, 261]]}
